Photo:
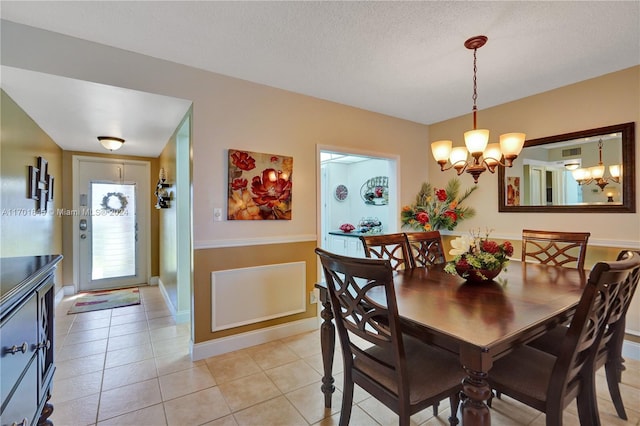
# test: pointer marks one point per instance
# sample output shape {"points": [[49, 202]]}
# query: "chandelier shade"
{"points": [[484, 155]]}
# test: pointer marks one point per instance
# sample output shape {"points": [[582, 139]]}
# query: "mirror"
{"points": [[543, 177]]}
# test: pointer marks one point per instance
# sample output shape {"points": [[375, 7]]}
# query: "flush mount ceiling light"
{"points": [[485, 156], [110, 142]]}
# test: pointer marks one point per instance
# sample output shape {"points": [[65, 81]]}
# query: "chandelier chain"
{"points": [[475, 80]]}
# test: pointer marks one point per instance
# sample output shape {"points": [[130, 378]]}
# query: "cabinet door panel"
{"points": [[18, 329], [23, 404]]}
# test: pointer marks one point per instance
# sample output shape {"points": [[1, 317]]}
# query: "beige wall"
{"points": [[606, 100], [24, 232], [610, 99]]}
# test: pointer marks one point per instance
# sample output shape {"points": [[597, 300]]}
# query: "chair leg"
{"points": [[613, 375], [454, 402], [588, 402], [435, 409], [347, 401]]}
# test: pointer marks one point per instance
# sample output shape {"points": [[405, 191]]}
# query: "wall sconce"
{"points": [[161, 192], [111, 143]]}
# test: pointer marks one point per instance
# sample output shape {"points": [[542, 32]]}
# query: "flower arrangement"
{"points": [[437, 208], [477, 256]]}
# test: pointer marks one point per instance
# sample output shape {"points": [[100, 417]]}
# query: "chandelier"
{"points": [[585, 176], [484, 155]]}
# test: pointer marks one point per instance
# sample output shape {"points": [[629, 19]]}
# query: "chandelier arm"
{"points": [[460, 166], [492, 167]]}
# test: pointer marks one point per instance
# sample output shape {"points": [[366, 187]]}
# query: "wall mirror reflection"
{"points": [[586, 171]]}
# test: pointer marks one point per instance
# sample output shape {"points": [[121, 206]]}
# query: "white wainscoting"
{"points": [[249, 295]]}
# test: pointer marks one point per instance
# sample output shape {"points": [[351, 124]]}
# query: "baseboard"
{"points": [[182, 317], [167, 299], [244, 340], [631, 350]]}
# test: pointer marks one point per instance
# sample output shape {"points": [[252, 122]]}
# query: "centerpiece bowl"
{"points": [[478, 275]]}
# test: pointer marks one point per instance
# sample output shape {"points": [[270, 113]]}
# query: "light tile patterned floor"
{"points": [[131, 366]]}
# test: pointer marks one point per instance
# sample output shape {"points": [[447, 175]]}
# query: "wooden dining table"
{"points": [[479, 322]]}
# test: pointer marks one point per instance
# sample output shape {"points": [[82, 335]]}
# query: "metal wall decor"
{"points": [[375, 191], [162, 194], [40, 184]]}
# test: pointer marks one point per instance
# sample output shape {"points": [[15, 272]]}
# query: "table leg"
{"points": [[476, 391], [328, 344]]}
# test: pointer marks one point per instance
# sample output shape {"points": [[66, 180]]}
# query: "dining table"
{"points": [[478, 322]]}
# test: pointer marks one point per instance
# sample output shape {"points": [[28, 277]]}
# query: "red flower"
{"points": [[508, 248], [441, 194], [239, 184], [274, 159], [490, 246], [243, 161], [463, 264], [422, 217], [271, 190], [451, 215]]}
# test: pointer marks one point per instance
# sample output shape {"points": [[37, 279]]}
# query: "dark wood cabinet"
{"points": [[26, 339]]}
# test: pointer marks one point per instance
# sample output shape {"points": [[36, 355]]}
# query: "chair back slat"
{"points": [[611, 344], [577, 353], [555, 248], [362, 321], [393, 247], [426, 248]]}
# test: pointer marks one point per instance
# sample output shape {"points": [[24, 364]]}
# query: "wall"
{"points": [[167, 226], [606, 100], [232, 113], [24, 231]]}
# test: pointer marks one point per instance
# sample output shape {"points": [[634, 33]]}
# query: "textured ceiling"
{"points": [[404, 59]]}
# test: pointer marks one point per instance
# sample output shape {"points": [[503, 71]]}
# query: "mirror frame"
{"points": [[628, 166]]}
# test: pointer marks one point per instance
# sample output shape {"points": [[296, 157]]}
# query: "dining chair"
{"points": [[393, 247], [426, 248], [555, 248], [549, 383], [402, 372], [609, 352]]}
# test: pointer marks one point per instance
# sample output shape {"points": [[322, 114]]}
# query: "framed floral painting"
{"points": [[259, 186], [513, 191]]}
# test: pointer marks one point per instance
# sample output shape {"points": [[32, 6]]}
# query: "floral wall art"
{"points": [[259, 186]]}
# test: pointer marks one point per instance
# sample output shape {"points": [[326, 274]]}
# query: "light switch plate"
{"points": [[217, 215]]}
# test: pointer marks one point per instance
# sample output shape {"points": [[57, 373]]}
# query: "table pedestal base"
{"points": [[476, 391]]}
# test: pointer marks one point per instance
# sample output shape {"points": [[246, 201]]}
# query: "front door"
{"points": [[111, 223]]}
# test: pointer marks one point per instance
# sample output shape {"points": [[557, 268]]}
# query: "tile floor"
{"points": [[131, 366]]}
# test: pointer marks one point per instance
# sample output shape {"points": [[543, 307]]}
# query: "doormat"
{"points": [[107, 299]]}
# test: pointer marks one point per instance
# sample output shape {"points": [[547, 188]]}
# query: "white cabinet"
{"points": [[345, 246]]}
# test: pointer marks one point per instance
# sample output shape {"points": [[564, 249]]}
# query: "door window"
{"points": [[114, 230]]}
